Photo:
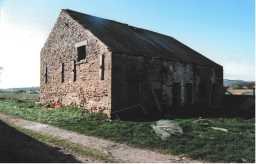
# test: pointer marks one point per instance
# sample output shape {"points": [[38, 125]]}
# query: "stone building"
{"points": [[114, 68]]}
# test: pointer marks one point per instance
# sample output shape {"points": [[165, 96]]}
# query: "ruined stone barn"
{"points": [[121, 70]]}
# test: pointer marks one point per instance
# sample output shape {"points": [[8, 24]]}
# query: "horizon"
{"points": [[39, 85], [226, 37]]}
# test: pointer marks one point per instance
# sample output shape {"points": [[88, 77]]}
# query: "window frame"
{"points": [[79, 45], [81, 53]]}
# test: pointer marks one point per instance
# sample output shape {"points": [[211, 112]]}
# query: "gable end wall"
{"points": [[88, 91]]}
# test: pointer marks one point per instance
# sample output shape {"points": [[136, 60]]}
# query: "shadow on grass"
{"points": [[18, 147]]}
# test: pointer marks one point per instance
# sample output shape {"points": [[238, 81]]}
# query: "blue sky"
{"points": [[222, 30]]}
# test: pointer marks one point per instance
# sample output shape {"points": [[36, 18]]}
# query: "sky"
{"points": [[222, 30]]}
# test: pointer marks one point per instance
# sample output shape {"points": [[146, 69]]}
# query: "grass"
{"points": [[18, 96], [199, 140], [67, 145]]}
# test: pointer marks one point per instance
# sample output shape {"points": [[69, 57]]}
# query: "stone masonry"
{"points": [[88, 90]]}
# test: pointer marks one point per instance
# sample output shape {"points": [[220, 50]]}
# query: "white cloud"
{"points": [[19, 53]]}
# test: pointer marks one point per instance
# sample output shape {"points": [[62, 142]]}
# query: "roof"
{"points": [[123, 38]]}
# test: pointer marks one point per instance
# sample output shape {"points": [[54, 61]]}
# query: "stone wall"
{"points": [[148, 84], [89, 90]]}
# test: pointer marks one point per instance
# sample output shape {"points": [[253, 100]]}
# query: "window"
{"points": [[46, 75], [81, 52], [74, 71], [102, 64], [62, 72]]}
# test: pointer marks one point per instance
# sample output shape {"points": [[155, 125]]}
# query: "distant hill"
{"points": [[233, 83], [25, 89]]}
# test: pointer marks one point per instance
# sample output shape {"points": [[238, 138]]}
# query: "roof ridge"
{"points": [[122, 36], [88, 15], [131, 26]]}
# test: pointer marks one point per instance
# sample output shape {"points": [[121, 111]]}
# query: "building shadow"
{"points": [[17, 147], [242, 106], [239, 106]]}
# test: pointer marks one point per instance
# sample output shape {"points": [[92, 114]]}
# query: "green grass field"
{"points": [[199, 140]]}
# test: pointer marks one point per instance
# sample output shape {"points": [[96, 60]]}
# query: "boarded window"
{"points": [[176, 94], [62, 72], [81, 53], [213, 94], [188, 93], [74, 71], [46, 75], [203, 90]]}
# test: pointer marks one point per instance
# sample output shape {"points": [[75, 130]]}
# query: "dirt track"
{"points": [[118, 152]]}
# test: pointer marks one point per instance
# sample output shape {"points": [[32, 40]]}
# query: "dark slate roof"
{"points": [[124, 38]]}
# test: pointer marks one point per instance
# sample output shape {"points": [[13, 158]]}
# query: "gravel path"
{"points": [[119, 152]]}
